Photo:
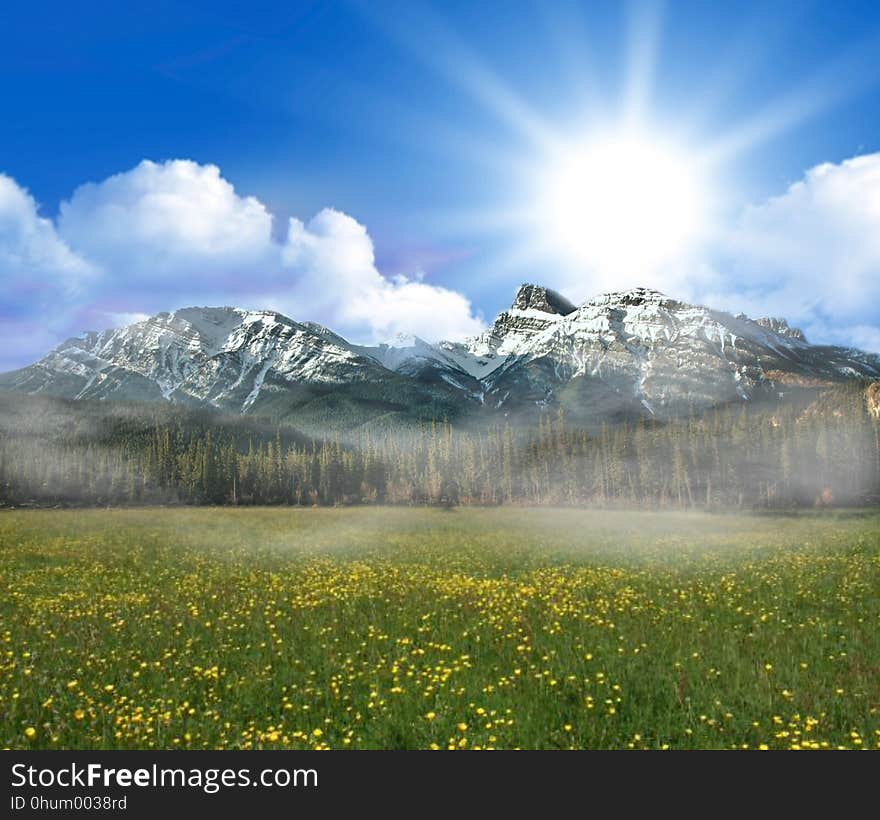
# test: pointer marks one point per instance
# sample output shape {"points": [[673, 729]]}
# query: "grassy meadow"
{"points": [[424, 628]]}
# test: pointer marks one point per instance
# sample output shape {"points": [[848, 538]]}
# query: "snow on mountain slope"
{"points": [[647, 348], [629, 352], [219, 356], [410, 356]]}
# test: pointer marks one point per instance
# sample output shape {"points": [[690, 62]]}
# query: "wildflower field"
{"points": [[421, 628]]}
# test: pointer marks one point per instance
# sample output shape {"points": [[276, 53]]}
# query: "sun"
{"points": [[622, 204]]}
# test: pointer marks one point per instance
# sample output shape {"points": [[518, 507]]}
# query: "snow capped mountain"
{"points": [[219, 356], [639, 347], [634, 352]]}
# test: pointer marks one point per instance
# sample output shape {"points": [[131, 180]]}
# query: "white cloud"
{"points": [[335, 274], [167, 221], [41, 278], [820, 240], [33, 258], [813, 253], [168, 235]]}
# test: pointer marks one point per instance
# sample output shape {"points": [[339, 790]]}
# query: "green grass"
{"points": [[387, 627]]}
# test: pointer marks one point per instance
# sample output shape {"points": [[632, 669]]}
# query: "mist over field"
{"points": [[821, 451]]}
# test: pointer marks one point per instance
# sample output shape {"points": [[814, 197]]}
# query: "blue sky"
{"points": [[405, 140]]}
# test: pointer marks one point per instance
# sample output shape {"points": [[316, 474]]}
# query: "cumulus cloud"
{"points": [[175, 221], [813, 253], [166, 235], [334, 268], [41, 277], [34, 260]]}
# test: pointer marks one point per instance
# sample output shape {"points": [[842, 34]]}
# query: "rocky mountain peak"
{"points": [[536, 297], [781, 327], [635, 297]]}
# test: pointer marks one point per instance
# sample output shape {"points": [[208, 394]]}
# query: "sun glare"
{"points": [[621, 204]]}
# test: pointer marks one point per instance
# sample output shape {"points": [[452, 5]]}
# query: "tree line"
{"points": [[730, 457]]}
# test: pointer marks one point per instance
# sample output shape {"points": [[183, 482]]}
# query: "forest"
{"points": [[56, 453]]}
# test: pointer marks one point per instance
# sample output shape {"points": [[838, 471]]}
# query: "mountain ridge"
{"points": [[635, 352]]}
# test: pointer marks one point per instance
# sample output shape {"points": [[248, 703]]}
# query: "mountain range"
{"points": [[633, 353]]}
